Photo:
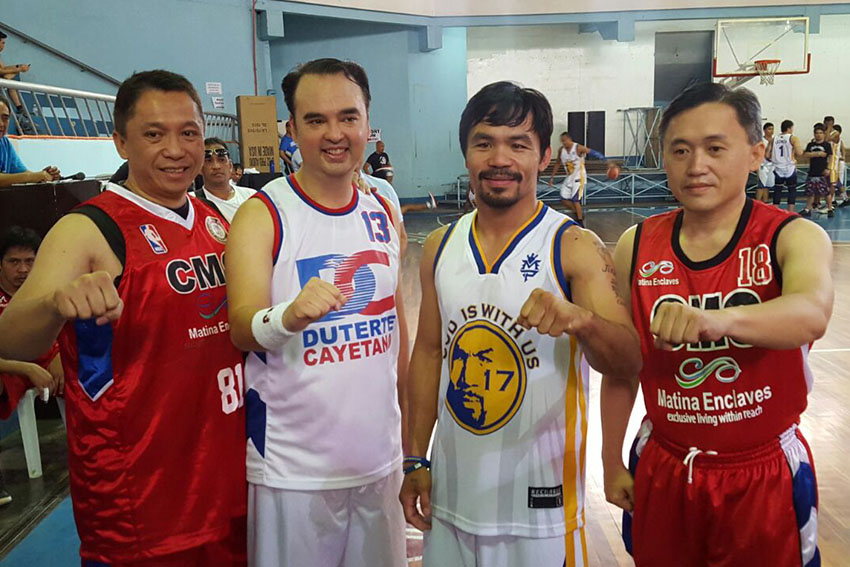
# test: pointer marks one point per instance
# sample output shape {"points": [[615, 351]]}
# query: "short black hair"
{"points": [[767, 125], [786, 125], [138, 83], [237, 165], [3, 35], [567, 134], [818, 126], [327, 66], [829, 119], [743, 101], [507, 104], [20, 237], [837, 127], [213, 141], [4, 101]]}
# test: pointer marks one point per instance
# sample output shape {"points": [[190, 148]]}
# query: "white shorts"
{"points": [[573, 187], [447, 546], [766, 177], [350, 527]]}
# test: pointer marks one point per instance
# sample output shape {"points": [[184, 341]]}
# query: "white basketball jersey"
{"points": [[322, 412], [508, 453], [783, 155], [572, 162]]}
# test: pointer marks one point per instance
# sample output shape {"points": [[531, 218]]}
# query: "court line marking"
{"points": [[815, 350]]}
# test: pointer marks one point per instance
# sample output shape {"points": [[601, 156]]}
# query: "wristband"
{"points": [[412, 464], [593, 154], [267, 327]]}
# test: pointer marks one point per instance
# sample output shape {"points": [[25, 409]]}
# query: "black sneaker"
{"points": [[844, 203], [805, 213], [830, 213]]}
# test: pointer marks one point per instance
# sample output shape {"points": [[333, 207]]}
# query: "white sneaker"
{"points": [[432, 202], [822, 209]]}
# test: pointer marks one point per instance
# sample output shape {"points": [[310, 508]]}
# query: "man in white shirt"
{"points": [[217, 170]]}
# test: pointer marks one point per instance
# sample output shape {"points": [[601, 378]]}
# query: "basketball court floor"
{"points": [[38, 529]]}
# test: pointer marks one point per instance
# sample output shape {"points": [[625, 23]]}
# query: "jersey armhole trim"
{"points": [[442, 245], [774, 259], [110, 231], [276, 221], [557, 265], [386, 207], [635, 246]]}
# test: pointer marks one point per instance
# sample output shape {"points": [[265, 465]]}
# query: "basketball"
{"points": [[613, 172]]}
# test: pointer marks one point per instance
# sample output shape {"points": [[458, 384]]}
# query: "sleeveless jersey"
{"points": [[502, 464], [15, 385], [323, 410], [782, 155], [572, 162], [724, 395], [156, 431]]}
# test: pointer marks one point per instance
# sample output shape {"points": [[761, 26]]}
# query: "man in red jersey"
{"points": [[727, 295], [134, 280]]}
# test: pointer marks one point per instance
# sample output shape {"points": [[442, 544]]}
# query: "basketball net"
{"points": [[767, 70]]}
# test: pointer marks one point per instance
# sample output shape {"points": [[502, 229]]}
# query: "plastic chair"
{"points": [[29, 433]]}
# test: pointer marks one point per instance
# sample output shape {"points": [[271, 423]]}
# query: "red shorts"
{"points": [[232, 551], [753, 508]]}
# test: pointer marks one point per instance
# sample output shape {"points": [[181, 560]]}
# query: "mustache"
{"points": [[501, 173]]}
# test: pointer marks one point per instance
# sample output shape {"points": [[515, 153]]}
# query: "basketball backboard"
{"points": [[738, 44]]}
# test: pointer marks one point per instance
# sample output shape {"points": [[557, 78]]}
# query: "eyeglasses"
{"points": [[221, 154]]}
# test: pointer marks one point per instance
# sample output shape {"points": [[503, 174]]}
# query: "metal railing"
{"points": [[56, 111], [630, 187]]}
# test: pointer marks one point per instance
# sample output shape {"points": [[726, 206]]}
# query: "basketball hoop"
{"points": [[767, 69]]}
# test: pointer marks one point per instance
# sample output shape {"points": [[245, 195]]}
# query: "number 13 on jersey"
{"points": [[377, 226], [230, 384]]}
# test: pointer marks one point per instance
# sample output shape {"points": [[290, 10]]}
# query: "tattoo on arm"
{"points": [[609, 270]]}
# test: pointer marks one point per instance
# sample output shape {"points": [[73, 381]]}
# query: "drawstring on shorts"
{"points": [[689, 461]]}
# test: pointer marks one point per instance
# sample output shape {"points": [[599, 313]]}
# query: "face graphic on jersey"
{"points": [[487, 378]]}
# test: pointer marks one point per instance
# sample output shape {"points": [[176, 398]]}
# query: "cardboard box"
{"points": [[258, 141]]}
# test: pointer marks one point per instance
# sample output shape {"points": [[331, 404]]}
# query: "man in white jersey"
{"points": [[217, 171], [514, 295], [786, 149], [315, 298], [766, 179], [571, 156]]}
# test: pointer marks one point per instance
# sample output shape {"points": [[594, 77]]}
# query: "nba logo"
{"points": [[153, 238]]}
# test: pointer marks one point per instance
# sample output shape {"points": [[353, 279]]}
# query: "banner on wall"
{"points": [[257, 132], [374, 135]]}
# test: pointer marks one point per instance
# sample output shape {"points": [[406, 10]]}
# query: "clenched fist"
{"points": [[89, 296], [675, 324], [551, 315], [317, 299]]}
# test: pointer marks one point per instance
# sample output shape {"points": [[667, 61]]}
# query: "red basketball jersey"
{"points": [[723, 395], [156, 428], [14, 385]]}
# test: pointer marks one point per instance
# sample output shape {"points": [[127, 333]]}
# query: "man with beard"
{"points": [[509, 449]]}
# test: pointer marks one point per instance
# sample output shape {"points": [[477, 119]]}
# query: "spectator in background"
{"points": [[18, 247], [289, 152], [217, 171], [236, 173], [818, 151], [379, 163], [12, 72], [12, 169]]}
